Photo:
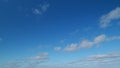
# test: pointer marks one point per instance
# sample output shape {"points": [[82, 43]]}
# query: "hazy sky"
{"points": [[59, 33]]}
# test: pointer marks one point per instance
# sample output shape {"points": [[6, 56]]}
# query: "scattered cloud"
{"points": [[42, 57], [88, 44], [104, 56], [99, 39], [41, 9], [106, 19], [57, 48], [113, 38], [71, 47], [29, 62], [85, 44], [37, 11], [100, 58]]}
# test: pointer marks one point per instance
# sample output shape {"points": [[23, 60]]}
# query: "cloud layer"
{"points": [[30, 62], [99, 58]]}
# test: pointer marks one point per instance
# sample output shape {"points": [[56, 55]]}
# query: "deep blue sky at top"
{"points": [[20, 28]]}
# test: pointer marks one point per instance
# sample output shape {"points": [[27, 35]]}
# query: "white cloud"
{"points": [[110, 57], [42, 56], [57, 48], [99, 39], [85, 43], [106, 19], [88, 44], [104, 56], [71, 47], [37, 11], [44, 7], [113, 38], [30, 62], [41, 9]]}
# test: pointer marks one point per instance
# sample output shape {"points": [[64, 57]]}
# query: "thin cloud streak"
{"points": [[100, 58], [106, 19]]}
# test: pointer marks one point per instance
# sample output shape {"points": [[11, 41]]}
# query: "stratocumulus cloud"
{"points": [[88, 44]]}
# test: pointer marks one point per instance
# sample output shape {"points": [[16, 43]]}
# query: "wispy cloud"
{"points": [[41, 9], [99, 39], [57, 48], [106, 19], [113, 38], [41, 57], [100, 58], [29, 62], [88, 44]]}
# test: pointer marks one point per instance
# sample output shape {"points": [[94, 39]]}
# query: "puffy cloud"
{"points": [[106, 19], [71, 47], [86, 44]]}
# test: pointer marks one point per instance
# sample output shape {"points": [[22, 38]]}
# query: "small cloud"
{"points": [[45, 6], [71, 47], [41, 9], [99, 39], [106, 19], [113, 38], [37, 11], [57, 48], [86, 44], [42, 57]]}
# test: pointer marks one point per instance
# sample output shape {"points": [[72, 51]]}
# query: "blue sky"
{"points": [[59, 33]]}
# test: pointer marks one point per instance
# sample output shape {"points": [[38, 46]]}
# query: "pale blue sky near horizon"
{"points": [[59, 33]]}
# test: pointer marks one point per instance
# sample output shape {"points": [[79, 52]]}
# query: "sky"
{"points": [[59, 33]]}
